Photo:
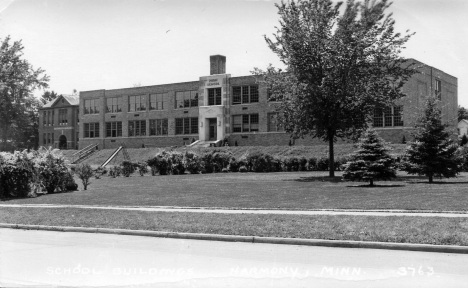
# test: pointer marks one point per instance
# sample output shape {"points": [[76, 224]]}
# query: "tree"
{"points": [[18, 80], [339, 67], [84, 172], [463, 140], [48, 96], [371, 161], [433, 152], [462, 113]]}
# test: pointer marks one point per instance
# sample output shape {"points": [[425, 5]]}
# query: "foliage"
{"points": [[142, 168], [176, 163], [51, 167], [233, 165], [18, 178], [115, 171], [371, 161], [84, 172], [18, 107], [243, 169], [48, 96], [259, 162], [192, 162], [339, 67], [433, 152], [98, 172], [462, 113], [463, 140]]}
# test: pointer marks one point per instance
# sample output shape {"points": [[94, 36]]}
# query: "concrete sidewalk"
{"points": [[419, 213]]}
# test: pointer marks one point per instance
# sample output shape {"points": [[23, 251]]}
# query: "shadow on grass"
{"points": [[317, 179], [6, 199], [437, 182], [375, 186]]}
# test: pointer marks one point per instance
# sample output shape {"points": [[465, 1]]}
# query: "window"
{"points": [[388, 117], [245, 123], [438, 89], [91, 130], [214, 96], [52, 138], [114, 129], [273, 124], [114, 105], [158, 101], [91, 106], [136, 103], [53, 116], [63, 117], [186, 126], [48, 138], [137, 128], [244, 94], [44, 138], [158, 127], [186, 99]]}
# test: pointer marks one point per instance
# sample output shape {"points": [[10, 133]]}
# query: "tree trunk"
{"points": [[371, 183], [431, 179], [331, 156]]}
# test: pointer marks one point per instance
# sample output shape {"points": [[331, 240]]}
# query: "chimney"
{"points": [[217, 64]]}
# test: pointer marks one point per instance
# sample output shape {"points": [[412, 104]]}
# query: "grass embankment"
{"points": [[143, 154], [422, 230], [285, 190]]}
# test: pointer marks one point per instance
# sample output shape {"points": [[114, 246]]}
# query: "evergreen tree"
{"points": [[371, 161], [433, 152]]}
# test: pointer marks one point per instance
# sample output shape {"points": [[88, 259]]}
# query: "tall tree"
{"points": [[48, 96], [18, 80], [462, 113], [339, 67], [432, 153]]}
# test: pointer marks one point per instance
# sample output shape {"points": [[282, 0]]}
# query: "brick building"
{"points": [[220, 106], [58, 123]]}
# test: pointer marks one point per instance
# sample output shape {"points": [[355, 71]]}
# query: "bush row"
{"points": [[24, 174]]}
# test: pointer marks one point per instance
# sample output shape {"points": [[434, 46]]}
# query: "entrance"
{"points": [[212, 129], [62, 142]]}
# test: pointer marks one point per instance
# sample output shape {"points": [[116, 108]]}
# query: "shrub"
{"points": [[69, 183], [192, 162], [243, 169], [18, 177], [259, 162], [128, 168], [208, 163], [276, 164], [294, 162], [225, 170], [302, 164], [115, 172], [323, 163], [176, 163], [160, 163], [98, 172], [312, 164], [233, 165], [84, 172], [220, 160], [142, 168], [51, 167]]}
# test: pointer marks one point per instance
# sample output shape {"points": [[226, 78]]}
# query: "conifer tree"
{"points": [[433, 152], [371, 161], [464, 140]]}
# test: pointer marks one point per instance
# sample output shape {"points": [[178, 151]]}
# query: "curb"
{"points": [[251, 239]]}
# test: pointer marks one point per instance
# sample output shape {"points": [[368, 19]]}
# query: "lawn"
{"points": [[284, 190], [422, 230]]}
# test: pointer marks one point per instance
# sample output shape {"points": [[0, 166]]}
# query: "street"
{"points": [[50, 259]]}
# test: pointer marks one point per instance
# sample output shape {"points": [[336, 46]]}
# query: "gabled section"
{"points": [[64, 100]]}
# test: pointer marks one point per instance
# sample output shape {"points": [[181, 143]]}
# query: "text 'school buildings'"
{"points": [[217, 107]]}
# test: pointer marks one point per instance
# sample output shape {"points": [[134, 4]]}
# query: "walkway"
{"points": [[454, 214]]}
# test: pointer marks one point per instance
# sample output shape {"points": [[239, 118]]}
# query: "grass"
{"points": [[285, 190], [423, 230], [143, 154]]}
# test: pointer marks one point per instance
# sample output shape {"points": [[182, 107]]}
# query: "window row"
{"points": [[157, 127], [48, 117], [47, 138]]}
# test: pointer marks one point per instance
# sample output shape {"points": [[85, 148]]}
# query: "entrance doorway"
{"points": [[62, 142], [212, 129]]}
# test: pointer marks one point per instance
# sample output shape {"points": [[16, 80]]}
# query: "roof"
{"points": [[72, 99], [463, 121]]}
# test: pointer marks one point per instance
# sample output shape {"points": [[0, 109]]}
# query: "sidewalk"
{"points": [[419, 213]]}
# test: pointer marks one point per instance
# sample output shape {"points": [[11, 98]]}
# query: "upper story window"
{"points": [[114, 105], [245, 123], [388, 117], [186, 99], [91, 106], [52, 117], [214, 96], [137, 103], [438, 89], [158, 101], [63, 117], [91, 130], [244, 94]]}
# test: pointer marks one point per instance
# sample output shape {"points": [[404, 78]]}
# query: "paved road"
{"points": [[44, 258], [456, 214]]}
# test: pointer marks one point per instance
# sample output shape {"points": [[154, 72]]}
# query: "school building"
{"points": [[220, 106]]}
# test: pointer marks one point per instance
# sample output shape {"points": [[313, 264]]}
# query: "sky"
{"points": [[110, 44]]}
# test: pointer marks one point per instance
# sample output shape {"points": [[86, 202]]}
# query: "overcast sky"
{"points": [[107, 44]]}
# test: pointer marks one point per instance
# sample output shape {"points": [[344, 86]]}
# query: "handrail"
{"points": [[85, 152], [82, 149]]}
